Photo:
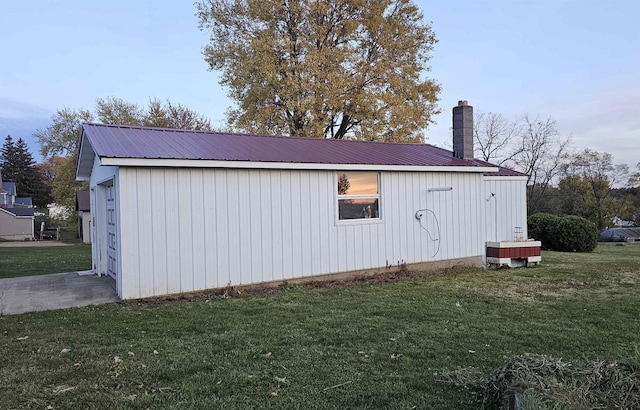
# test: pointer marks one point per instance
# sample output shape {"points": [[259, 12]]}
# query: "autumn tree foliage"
{"points": [[326, 69], [588, 187], [59, 141]]}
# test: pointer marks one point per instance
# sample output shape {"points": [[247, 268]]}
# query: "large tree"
{"points": [[59, 141], [332, 69], [536, 148], [530, 144], [495, 137], [590, 180]]}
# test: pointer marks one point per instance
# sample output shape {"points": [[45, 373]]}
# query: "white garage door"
{"points": [[112, 261]]}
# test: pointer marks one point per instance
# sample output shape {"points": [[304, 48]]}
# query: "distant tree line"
{"points": [[560, 181]]}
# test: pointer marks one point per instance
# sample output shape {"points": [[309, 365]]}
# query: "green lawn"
{"points": [[367, 346], [26, 261]]}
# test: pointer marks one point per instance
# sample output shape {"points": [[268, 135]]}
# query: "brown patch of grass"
{"points": [[275, 288]]}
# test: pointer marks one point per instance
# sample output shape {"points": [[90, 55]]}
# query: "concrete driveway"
{"points": [[55, 291]]}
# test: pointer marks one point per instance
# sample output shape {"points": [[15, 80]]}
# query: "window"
{"points": [[358, 195]]}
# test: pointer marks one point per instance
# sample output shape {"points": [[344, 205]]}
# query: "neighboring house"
{"points": [[8, 195], [83, 207], [4, 197], [620, 235], [25, 202], [16, 219], [179, 211]]}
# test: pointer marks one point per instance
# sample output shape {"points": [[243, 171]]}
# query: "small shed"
{"points": [[83, 207], [16, 219], [179, 210], [16, 224]]}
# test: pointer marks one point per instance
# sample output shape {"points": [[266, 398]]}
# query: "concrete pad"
{"points": [[55, 291]]}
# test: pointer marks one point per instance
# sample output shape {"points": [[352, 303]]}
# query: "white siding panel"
{"points": [[316, 247], [210, 226], [156, 206], [296, 226], [304, 222], [266, 221], [198, 228], [146, 233], [234, 214], [186, 229], [185, 235], [221, 229], [286, 193], [172, 229], [506, 209], [254, 240], [323, 212], [129, 239], [277, 222]]}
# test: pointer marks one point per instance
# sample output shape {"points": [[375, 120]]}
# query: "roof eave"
{"points": [[508, 177], [203, 163], [86, 156]]}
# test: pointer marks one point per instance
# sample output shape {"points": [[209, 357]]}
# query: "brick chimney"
{"points": [[463, 130]]}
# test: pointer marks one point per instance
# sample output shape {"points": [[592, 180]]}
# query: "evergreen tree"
{"points": [[8, 159], [19, 166]]}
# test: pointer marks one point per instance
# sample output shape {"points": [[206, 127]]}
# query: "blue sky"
{"points": [[577, 61]]}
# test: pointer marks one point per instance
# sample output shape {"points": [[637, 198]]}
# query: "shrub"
{"points": [[540, 226], [575, 234], [567, 234]]}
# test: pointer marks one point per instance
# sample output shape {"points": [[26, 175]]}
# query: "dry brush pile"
{"points": [[531, 381]]}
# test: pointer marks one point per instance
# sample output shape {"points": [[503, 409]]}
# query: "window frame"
{"points": [[338, 197]]}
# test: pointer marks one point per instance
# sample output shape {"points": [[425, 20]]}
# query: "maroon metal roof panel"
{"points": [[117, 141], [505, 172]]}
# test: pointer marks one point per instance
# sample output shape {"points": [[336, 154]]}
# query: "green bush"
{"points": [[575, 234], [539, 227], [566, 234]]}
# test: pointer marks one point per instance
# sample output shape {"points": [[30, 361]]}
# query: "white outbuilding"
{"points": [[178, 211]]}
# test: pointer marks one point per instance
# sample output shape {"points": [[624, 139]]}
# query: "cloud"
{"points": [[18, 110]]}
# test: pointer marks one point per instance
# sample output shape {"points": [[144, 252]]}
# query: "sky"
{"points": [[577, 61]]}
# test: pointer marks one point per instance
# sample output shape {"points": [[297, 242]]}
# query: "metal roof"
{"points": [[118, 141], [20, 211], [24, 201], [82, 200], [629, 233], [505, 172]]}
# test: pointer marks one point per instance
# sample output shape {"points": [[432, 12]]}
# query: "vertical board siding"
{"points": [[210, 239], [221, 229], [172, 227], [158, 228], [146, 231], [192, 229], [506, 210]]}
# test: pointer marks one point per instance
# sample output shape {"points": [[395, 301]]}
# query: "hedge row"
{"points": [[563, 233]]}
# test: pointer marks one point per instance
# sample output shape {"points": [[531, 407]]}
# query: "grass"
{"points": [[381, 345], [26, 261]]}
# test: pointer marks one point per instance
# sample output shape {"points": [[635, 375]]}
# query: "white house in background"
{"points": [[178, 211], [83, 207]]}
